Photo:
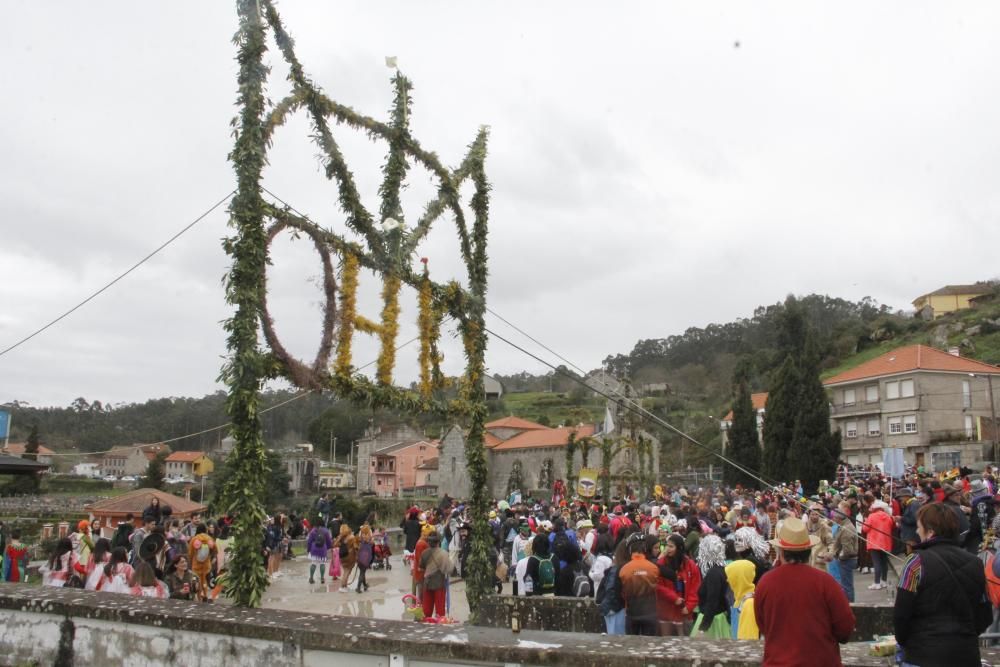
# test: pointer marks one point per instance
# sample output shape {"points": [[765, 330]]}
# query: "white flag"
{"points": [[390, 62], [609, 423]]}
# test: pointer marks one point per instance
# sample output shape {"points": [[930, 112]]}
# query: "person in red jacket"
{"points": [[677, 589], [877, 528], [801, 611]]}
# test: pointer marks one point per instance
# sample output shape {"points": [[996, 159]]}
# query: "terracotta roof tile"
{"points": [[185, 457], [759, 401], [546, 437], [911, 358], [17, 449], [136, 501], [515, 422]]}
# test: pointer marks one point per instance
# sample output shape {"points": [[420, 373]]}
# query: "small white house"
{"points": [[87, 470]]}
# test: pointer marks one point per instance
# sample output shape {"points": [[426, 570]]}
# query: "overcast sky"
{"points": [[655, 166]]}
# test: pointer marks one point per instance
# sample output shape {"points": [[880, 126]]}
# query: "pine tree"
{"points": [[779, 420], [31, 448], [744, 442], [797, 439], [154, 477], [814, 449]]}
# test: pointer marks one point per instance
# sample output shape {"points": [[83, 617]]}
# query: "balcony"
{"points": [[954, 435], [856, 409]]}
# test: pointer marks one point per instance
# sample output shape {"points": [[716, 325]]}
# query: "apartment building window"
{"points": [[910, 424], [966, 394], [895, 425], [851, 430], [849, 397], [899, 389], [874, 427], [970, 427], [871, 393]]}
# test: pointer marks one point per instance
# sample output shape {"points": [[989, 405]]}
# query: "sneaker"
{"points": [[322, 582], [873, 587], [311, 582]]}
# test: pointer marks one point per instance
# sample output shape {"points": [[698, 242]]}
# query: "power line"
{"points": [[646, 414], [130, 270], [220, 426]]}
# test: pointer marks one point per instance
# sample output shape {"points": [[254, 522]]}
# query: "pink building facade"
{"points": [[393, 469]]}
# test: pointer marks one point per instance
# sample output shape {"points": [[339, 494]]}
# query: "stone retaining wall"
{"points": [[562, 614], [65, 628]]}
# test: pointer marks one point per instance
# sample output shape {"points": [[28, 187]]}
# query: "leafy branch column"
{"points": [[247, 365]]}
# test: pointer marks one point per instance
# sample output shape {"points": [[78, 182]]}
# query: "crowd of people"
{"points": [[719, 562], [158, 556]]}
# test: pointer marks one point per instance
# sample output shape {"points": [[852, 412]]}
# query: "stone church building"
{"points": [[514, 447]]}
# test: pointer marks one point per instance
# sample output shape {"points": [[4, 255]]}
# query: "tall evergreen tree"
{"points": [[779, 420], [814, 449], [744, 442], [154, 477], [797, 439], [31, 447]]}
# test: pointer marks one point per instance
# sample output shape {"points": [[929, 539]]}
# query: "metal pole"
{"points": [[993, 413], [332, 461]]}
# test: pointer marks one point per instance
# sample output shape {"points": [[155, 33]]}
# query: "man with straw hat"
{"points": [[802, 612]]}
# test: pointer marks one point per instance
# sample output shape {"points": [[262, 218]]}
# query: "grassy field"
{"points": [[556, 408]]}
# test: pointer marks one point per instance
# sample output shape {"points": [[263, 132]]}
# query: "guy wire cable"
{"points": [[128, 271]]}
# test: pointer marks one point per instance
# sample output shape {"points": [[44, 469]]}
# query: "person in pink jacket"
{"points": [[877, 528]]}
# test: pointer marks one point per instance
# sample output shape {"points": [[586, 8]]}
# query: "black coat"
{"points": [[941, 606], [713, 596], [411, 529]]}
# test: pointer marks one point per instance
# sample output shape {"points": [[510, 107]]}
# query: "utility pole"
{"points": [[993, 415]]}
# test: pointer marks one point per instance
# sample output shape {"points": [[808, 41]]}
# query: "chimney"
{"points": [[953, 351]]}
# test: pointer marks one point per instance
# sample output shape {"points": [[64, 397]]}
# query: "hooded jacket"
{"points": [[740, 574]]}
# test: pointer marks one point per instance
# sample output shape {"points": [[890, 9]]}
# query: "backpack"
{"points": [[546, 574], [581, 583], [344, 549], [365, 554]]}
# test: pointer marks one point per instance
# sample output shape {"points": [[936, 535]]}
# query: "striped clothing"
{"points": [[909, 577]]}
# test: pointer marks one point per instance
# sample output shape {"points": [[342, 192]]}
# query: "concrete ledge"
{"points": [[53, 626], [564, 614]]}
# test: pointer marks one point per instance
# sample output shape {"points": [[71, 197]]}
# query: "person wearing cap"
{"points": [[845, 548], [953, 499], [802, 612], [818, 525], [941, 606]]}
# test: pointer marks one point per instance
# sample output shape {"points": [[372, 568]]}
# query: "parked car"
{"points": [[130, 478], [110, 478]]}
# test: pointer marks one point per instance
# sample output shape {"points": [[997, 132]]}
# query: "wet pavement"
{"points": [[292, 591]]}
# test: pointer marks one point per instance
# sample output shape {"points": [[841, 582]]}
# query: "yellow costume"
{"points": [[740, 574]]}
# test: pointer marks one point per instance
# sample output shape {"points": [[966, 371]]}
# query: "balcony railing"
{"points": [[954, 435]]}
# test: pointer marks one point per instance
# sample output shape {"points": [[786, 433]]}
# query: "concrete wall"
{"points": [[452, 474], [937, 404], [65, 628]]}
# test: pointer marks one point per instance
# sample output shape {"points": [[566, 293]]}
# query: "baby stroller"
{"points": [[381, 554]]}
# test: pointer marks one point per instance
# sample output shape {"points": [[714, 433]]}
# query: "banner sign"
{"points": [[892, 462], [586, 485], [4, 424]]}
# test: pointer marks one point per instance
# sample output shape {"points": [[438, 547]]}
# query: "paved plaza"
{"points": [[292, 591]]}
